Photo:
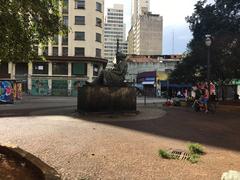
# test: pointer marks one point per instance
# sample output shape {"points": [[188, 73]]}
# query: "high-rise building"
{"points": [[85, 19], [145, 35], [72, 59], [139, 7], [114, 29]]}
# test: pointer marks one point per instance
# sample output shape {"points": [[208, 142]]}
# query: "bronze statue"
{"points": [[115, 76]]}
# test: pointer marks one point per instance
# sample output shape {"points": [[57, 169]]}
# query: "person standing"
{"points": [[206, 98]]}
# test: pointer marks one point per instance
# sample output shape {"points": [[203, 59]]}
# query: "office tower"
{"points": [[114, 29]]}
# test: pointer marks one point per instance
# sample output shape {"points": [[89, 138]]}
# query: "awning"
{"points": [[165, 84], [139, 86], [148, 82]]}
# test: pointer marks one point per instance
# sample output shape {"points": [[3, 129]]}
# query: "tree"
{"points": [[26, 23], [222, 21]]}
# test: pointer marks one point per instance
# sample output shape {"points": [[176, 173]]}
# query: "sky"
{"points": [[176, 33]]}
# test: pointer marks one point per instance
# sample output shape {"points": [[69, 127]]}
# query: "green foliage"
{"points": [[164, 154], [194, 158], [195, 148], [25, 23], [222, 20]]}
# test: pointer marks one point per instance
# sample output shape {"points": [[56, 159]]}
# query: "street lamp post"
{"points": [[208, 42]]}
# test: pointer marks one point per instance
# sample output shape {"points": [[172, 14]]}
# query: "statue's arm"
{"points": [[120, 69]]}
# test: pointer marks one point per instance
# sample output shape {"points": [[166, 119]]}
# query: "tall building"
{"points": [[72, 59], [139, 7], [145, 35], [114, 29], [85, 19]]}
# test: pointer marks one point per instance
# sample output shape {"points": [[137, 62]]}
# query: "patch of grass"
{"points": [[195, 148], [195, 151], [164, 154], [194, 158]]}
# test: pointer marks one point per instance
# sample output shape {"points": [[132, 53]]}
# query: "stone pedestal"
{"points": [[106, 99]]}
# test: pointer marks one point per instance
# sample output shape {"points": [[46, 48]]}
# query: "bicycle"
{"points": [[200, 106]]}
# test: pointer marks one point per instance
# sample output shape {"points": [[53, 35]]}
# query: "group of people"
{"points": [[202, 95]]}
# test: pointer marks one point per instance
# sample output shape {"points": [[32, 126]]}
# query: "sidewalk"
{"points": [[79, 148]]}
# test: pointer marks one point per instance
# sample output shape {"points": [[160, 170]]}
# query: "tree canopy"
{"points": [[222, 20], [26, 23]]}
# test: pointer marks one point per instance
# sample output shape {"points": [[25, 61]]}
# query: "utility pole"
{"points": [[208, 42]]}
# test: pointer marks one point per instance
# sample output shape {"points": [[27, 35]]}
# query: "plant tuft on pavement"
{"points": [[194, 158], [164, 154], [195, 151], [195, 148]]}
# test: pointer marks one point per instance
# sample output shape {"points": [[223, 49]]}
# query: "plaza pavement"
{"points": [[121, 147]]}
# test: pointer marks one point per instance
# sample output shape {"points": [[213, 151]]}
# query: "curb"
{"points": [[37, 165]]}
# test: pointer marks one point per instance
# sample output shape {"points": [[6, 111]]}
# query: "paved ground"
{"points": [[32, 105], [78, 147]]}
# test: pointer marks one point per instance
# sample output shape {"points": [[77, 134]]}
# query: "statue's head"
{"points": [[120, 56]]}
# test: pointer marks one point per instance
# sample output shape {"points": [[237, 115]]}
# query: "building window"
{"points": [[55, 51], [79, 51], [79, 4], [21, 69], [60, 68], [40, 68], [79, 69], [79, 20], [98, 53], [80, 36], [98, 37], [65, 20], [35, 49], [65, 7], [65, 51], [4, 70], [98, 7], [45, 51], [95, 69], [98, 22], [55, 39], [65, 40]]}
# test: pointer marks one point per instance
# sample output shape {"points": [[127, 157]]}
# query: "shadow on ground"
{"points": [[220, 130]]}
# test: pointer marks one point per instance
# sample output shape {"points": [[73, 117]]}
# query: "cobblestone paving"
{"points": [[79, 148]]}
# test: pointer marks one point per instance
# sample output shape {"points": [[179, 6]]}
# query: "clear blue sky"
{"points": [[176, 33]]}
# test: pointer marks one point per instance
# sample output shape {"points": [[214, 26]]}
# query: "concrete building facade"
{"points": [[114, 29], [139, 7], [150, 73], [145, 35], [148, 35], [130, 40], [71, 59], [142, 63]]}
